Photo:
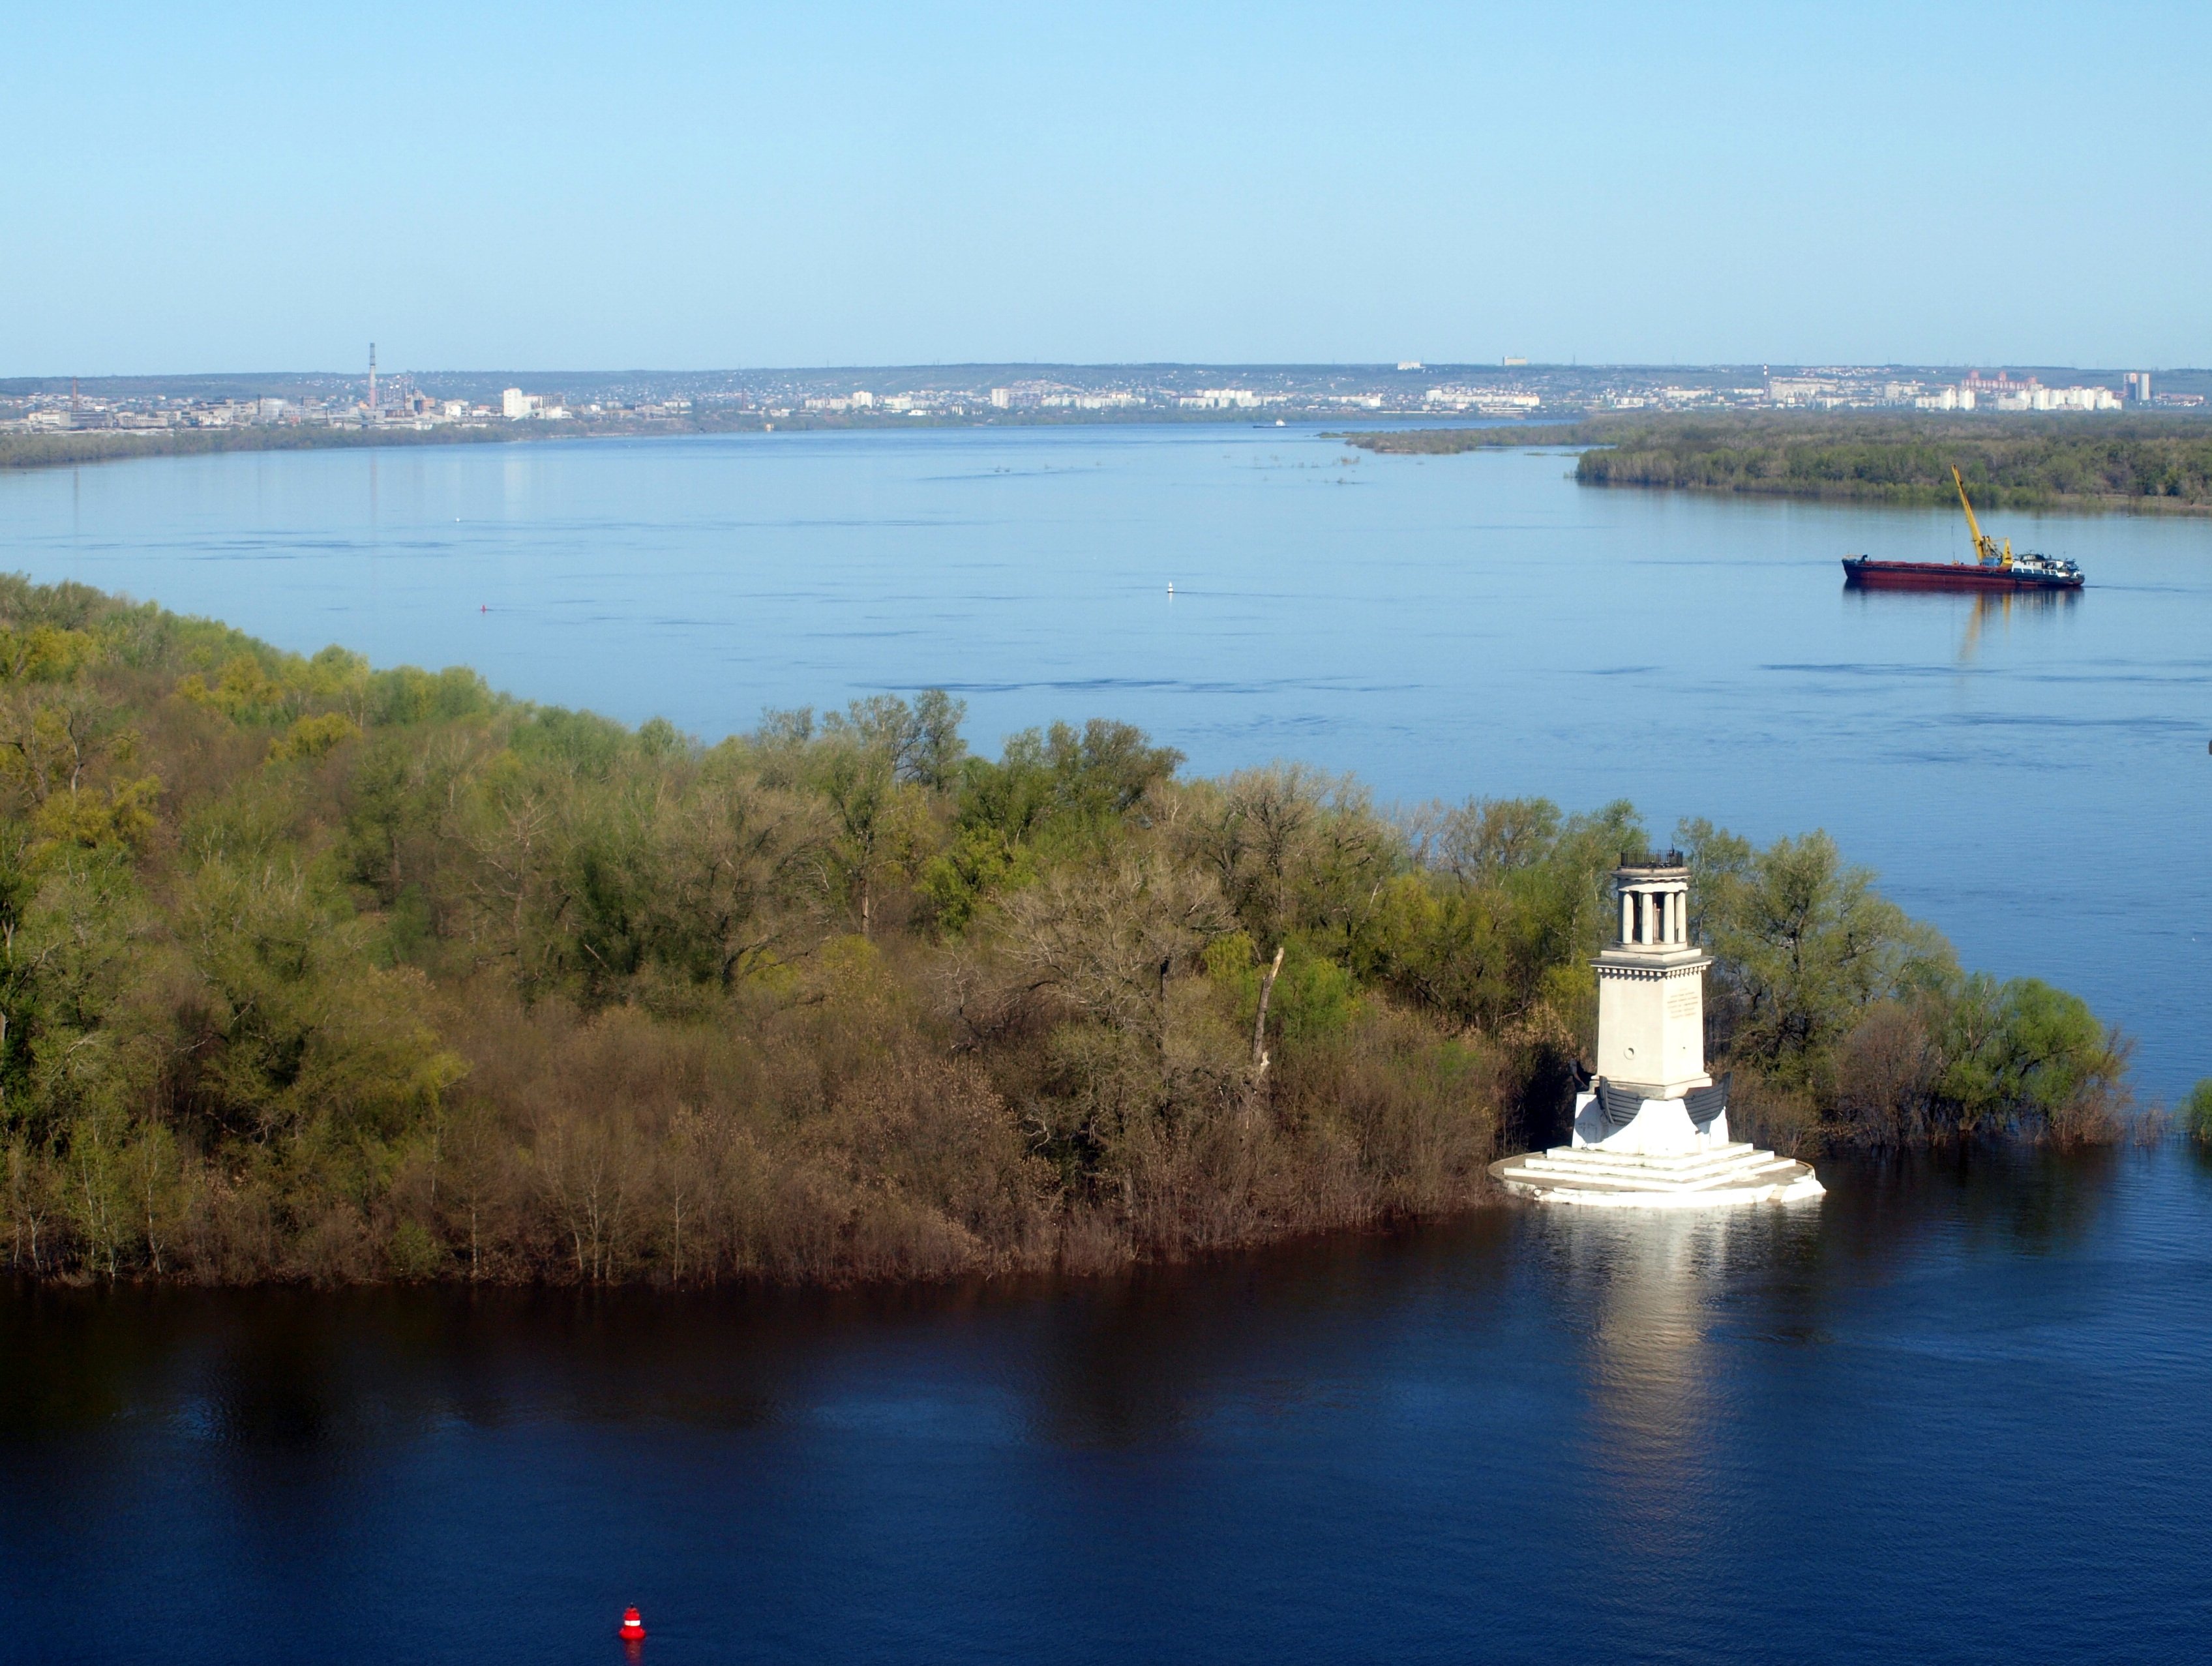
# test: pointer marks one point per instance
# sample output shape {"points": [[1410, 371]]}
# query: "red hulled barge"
{"points": [[1997, 567]]}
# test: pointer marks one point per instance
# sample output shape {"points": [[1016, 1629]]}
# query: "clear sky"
{"points": [[578, 187]]}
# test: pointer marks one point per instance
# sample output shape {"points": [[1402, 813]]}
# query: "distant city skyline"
{"points": [[255, 184], [473, 404]]}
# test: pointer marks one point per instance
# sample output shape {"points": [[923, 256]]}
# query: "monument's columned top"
{"points": [[1652, 1128], [1651, 984]]}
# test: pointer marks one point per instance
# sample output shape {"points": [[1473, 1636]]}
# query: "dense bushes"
{"points": [[309, 970], [1850, 1022]]}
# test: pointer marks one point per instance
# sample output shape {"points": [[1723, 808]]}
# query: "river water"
{"points": [[1954, 1411], [2033, 780]]}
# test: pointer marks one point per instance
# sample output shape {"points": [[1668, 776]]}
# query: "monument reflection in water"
{"points": [[1654, 1285]]}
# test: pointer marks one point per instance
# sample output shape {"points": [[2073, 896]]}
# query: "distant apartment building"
{"points": [[1001, 398], [1799, 390], [1487, 400], [2035, 397], [2134, 388], [2001, 393], [515, 404]]}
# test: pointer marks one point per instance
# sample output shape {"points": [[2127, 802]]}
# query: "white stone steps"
{"points": [[1683, 1173], [1767, 1174], [1591, 1157], [1650, 1176], [1731, 1173], [1598, 1167]]}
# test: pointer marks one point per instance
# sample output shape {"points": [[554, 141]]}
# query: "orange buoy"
{"points": [[632, 1628]]}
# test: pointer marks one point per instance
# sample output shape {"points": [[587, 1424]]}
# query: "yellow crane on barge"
{"points": [[1986, 547]]}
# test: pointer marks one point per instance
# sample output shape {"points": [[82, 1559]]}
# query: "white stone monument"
{"points": [[1651, 1130]]}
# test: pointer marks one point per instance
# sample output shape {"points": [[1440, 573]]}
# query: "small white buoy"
{"points": [[1171, 586]]}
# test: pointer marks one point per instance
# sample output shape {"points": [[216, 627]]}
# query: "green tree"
{"points": [[1804, 944], [2196, 1110], [2025, 1056]]}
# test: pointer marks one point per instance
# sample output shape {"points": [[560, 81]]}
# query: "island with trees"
{"points": [[2146, 465], [314, 971]]}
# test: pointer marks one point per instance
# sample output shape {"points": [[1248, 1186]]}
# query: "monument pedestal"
{"points": [[1652, 1131], [1717, 1176]]}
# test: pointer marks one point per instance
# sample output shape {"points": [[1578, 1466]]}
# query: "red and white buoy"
{"points": [[632, 1628]]}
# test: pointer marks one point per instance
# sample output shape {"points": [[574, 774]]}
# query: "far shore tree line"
{"points": [[2008, 461], [316, 972], [72, 448]]}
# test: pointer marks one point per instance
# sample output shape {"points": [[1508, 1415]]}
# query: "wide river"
{"points": [[1954, 1411]]}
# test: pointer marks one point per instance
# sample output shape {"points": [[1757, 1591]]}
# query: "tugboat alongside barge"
{"points": [[1997, 568]]}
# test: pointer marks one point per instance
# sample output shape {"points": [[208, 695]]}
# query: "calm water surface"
{"points": [[1956, 1413], [2033, 780]]}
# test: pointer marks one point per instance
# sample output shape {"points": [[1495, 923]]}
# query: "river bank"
{"points": [[75, 448]]}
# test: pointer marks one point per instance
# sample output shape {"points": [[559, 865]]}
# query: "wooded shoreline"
{"points": [[2148, 465], [315, 972], [75, 448]]}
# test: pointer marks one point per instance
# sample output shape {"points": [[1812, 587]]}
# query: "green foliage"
{"points": [[292, 1028], [312, 737], [1052, 794], [1843, 1008], [405, 696], [1509, 903], [2024, 1055], [415, 1254], [1314, 997], [43, 653], [2196, 1110], [1805, 945]]}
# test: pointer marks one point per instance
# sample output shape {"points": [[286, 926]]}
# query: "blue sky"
{"points": [[235, 187]]}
